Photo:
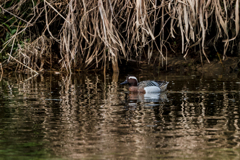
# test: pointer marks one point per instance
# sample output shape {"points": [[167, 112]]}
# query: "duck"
{"points": [[148, 86]]}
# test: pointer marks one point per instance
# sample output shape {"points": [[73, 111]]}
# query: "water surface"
{"points": [[89, 116]]}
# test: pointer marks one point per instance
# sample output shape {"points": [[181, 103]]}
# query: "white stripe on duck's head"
{"points": [[131, 81]]}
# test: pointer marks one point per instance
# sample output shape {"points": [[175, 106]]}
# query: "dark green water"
{"points": [[89, 116]]}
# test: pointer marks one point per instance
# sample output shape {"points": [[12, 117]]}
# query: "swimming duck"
{"points": [[145, 86]]}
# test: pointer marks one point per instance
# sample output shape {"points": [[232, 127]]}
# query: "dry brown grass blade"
{"points": [[181, 25], [237, 17], [46, 19], [236, 22], [203, 29], [186, 21], [1, 68]]}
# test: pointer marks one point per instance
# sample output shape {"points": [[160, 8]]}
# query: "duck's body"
{"points": [[145, 86]]}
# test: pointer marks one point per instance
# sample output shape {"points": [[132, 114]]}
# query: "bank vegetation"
{"points": [[76, 35]]}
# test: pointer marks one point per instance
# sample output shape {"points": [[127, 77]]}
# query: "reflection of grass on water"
{"points": [[21, 150], [203, 154], [222, 153], [91, 112]]}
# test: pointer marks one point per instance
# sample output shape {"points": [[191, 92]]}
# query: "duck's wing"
{"points": [[161, 84], [148, 83]]}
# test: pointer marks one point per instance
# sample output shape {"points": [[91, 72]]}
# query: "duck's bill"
{"points": [[125, 82]]}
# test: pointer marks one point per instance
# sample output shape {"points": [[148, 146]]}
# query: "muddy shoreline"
{"points": [[179, 64]]}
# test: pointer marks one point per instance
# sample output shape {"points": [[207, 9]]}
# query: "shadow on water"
{"points": [[92, 117]]}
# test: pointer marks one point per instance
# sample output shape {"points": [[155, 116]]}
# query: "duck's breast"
{"points": [[133, 89]]}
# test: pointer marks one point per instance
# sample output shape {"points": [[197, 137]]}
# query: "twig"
{"points": [[29, 78], [14, 15], [22, 64], [1, 71], [56, 11], [1, 67]]}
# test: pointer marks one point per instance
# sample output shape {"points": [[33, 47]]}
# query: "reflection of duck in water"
{"points": [[145, 86], [135, 99], [148, 97]]}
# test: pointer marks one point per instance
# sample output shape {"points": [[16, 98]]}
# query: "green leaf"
{"points": [[7, 36], [7, 26], [13, 31]]}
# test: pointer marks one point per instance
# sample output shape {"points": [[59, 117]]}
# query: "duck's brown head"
{"points": [[131, 81]]}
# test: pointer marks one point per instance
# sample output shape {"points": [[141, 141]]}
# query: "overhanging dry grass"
{"points": [[93, 32]]}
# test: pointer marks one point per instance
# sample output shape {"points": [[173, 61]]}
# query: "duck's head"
{"points": [[131, 81]]}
